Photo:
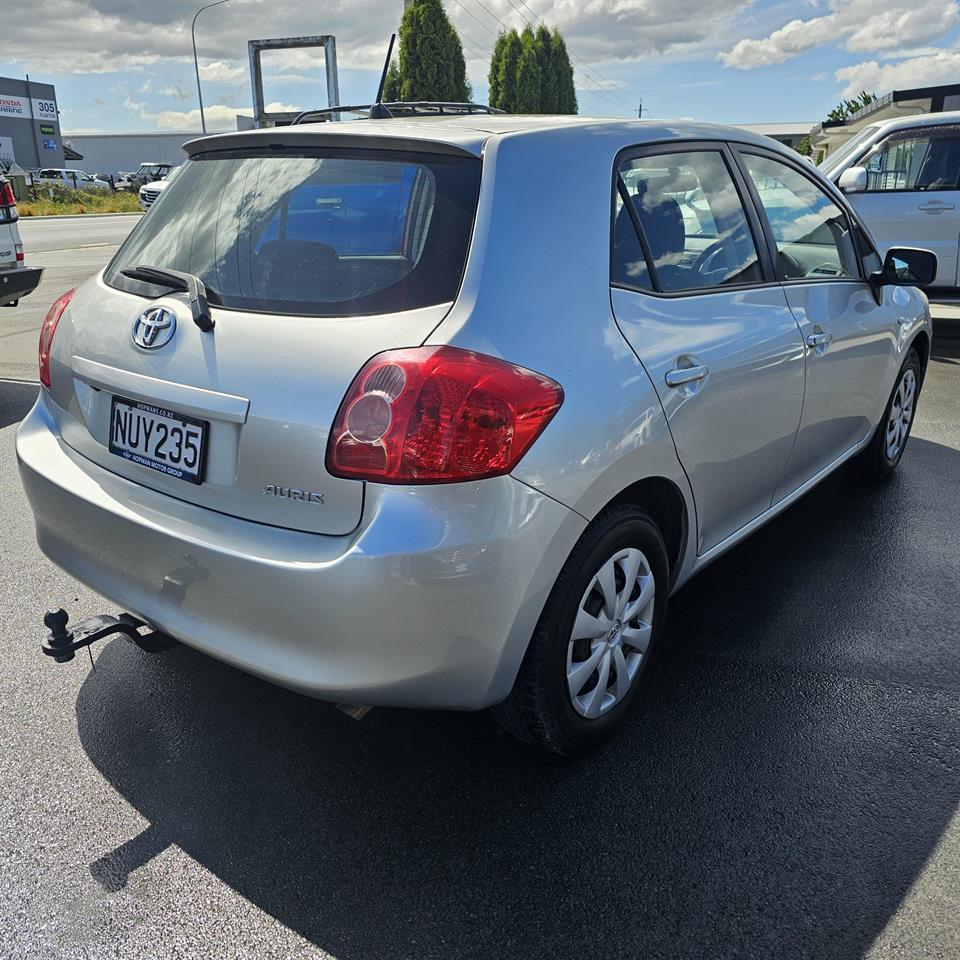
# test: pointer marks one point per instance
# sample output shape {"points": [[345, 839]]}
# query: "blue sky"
{"points": [[126, 65]]}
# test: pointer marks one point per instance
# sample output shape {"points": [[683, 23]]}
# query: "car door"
{"points": [[695, 296], [851, 340], [912, 197]]}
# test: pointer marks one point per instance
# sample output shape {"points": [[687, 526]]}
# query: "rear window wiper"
{"points": [[185, 282]]}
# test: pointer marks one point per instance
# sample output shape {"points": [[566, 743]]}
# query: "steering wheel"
{"points": [[703, 262], [791, 267]]}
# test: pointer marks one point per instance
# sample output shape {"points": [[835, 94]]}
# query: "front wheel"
{"points": [[595, 637], [880, 458]]}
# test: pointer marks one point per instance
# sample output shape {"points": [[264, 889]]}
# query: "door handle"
{"points": [[682, 375], [936, 206], [819, 339]]}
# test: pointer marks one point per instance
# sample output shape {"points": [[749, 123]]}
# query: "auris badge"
{"points": [[154, 328], [293, 493]]}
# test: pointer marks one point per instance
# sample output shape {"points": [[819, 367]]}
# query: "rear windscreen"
{"points": [[324, 233]]}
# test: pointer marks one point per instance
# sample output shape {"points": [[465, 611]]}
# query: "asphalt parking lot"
{"points": [[791, 787], [70, 249]]}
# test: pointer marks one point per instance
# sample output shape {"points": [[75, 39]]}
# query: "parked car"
{"points": [[77, 179], [356, 410], [150, 191], [16, 278], [903, 177], [146, 173]]}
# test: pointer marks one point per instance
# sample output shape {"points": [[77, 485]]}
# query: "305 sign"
{"points": [[44, 110]]}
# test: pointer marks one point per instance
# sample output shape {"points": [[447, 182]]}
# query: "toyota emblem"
{"points": [[154, 328]]}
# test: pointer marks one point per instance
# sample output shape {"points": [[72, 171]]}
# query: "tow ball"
{"points": [[62, 644]]}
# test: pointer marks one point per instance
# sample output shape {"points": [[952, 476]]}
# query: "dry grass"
{"points": [[79, 202]]}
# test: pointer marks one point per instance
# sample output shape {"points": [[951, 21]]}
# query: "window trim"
{"points": [[672, 147], [822, 183], [910, 133]]}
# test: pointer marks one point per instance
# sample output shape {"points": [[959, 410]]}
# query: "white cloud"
{"points": [[100, 36], [943, 66], [218, 116], [174, 91], [220, 72], [864, 25]]}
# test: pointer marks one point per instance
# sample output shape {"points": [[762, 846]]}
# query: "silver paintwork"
{"points": [[618, 633], [428, 595]]}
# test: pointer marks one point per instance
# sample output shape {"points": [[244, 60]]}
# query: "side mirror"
{"points": [[905, 267], [853, 180]]}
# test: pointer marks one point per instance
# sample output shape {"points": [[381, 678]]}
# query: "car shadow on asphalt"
{"points": [[16, 399], [795, 761]]}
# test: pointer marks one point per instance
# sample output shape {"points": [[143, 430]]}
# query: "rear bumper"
{"points": [[429, 603], [15, 284]]}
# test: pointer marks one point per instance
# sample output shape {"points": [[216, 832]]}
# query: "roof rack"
{"points": [[399, 108]]}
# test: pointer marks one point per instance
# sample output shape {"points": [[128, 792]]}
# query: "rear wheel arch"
{"points": [[664, 501]]}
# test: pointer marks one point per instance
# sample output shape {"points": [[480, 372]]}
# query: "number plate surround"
{"points": [[159, 414]]}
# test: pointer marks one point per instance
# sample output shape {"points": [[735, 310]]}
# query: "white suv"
{"points": [[903, 177], [16, 279]]}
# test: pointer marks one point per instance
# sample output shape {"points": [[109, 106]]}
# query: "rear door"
{"points": [[313, 263], [695, 297], [850, 340], [912, 197]]}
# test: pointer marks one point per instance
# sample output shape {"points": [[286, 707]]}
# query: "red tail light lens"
{"points": [[7, 199], [47, 331], [438, 415]]}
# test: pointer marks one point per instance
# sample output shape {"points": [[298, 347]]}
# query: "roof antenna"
{"points": [[378, 111]]}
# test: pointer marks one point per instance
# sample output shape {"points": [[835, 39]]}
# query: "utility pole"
{"points": [[640, 111]]}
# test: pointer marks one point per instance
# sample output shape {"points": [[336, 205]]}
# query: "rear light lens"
{"points": [[438, 415], [19, 249], [8, 203], [47, 331]]}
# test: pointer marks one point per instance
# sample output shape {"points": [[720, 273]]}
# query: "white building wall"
{"points": [[112, 152]]}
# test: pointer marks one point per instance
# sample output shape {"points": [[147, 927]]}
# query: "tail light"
{"points": [[438, 415], [8, 203], [18, 247], [47, 331]]}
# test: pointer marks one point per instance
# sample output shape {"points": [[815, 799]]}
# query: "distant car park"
{"points": [[146, 173], [77, 179]]}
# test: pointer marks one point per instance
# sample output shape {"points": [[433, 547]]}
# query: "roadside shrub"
{"points": [[67, 201]]}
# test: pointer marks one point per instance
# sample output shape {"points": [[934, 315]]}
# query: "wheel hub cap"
{"points": [[611, 633], [900, 414]]}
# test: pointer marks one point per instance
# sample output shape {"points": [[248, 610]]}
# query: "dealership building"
{"points": [[29, 124]]}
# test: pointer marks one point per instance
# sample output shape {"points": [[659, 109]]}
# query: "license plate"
{"points": [[160, 439]]}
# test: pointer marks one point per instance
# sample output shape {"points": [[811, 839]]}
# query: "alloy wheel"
{"points": [[611, 633]]}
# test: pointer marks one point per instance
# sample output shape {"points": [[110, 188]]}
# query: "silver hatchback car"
{"points": [[439, 412]]}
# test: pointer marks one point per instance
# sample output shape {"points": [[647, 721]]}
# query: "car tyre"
{"points": [[880, 457], [546, 707]]}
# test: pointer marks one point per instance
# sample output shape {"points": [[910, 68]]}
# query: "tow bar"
{"points": [[62, 644]]}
